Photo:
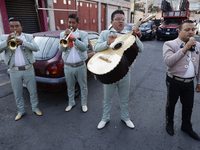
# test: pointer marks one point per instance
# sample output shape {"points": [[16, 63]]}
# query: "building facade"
{"points": [[51, 15]]}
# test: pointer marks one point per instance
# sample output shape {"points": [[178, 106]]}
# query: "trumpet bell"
{"points": [[12, 44], [64, 43]]}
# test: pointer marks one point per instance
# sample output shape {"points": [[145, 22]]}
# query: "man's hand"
{"points": [[67, 32], [19, 41], [111, 38], [10, 37], [135, 30], [71, 37], [190, 43], [198, 88]]}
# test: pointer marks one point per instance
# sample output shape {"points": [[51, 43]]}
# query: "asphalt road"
{"points": [[75, 130]]}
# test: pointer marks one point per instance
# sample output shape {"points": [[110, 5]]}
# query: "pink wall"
{"points": [[4, 17], [43, 16]]}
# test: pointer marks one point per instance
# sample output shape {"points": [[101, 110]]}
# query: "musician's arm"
{"points": [[141, 48], [139, 43], [101, 43]]}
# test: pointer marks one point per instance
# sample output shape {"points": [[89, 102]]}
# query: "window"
{"points": [[48, 47], [172, 22]]}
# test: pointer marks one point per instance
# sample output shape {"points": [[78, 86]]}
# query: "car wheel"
{"points": [[77, 91]]}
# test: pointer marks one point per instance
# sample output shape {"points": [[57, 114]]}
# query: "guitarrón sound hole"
{"points": [[117, 46]]}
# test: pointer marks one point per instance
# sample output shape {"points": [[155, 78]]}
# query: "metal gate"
{"points": [[25, 11]]}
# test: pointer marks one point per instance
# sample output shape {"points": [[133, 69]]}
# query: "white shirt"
{"points": [[190, 71], [19, 58], [73, 56]]}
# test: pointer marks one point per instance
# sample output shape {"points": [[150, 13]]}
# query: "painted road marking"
{"points": [[4, 83]]}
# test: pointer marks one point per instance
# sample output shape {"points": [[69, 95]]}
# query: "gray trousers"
{"points": [[79, 74], [123, 87], [28, 77]]}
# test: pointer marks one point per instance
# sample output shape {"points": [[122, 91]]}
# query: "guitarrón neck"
{"points": [[136, 25]]}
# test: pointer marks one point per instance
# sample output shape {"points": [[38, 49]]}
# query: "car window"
{"points": [[48, 47], [93, 39], [172, 22], [127, 27], [93, 36], [146, 25]]}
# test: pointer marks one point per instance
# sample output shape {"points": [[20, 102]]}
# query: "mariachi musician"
{"points": [[74, 55], [105, 39], [19, 58]]}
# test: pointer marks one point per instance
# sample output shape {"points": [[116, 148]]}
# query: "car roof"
{"points": [[57, 33]]}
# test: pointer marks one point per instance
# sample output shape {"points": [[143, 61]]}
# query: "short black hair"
{"points": [[118, 11], [185, 21], [74, 16], [14, 19]]}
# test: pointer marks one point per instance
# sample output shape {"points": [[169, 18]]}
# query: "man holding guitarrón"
{"points": [[106, 38]]}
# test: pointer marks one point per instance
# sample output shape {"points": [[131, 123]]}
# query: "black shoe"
{"points": [[170, 129], [191, 133]]}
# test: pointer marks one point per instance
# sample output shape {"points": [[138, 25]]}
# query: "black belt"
{"points": [[20, 68], [186, 80], [74, 64]]}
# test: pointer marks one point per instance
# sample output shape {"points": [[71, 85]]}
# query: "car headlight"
{"points": [[148, 31], [177, 29], [159, 28]]}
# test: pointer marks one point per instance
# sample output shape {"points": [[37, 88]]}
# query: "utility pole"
{"points": [[153, 7], [134, 12], [146, 9]]}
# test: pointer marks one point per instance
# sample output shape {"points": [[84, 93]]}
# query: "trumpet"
{"points": [[64, 42], [12, 44]]}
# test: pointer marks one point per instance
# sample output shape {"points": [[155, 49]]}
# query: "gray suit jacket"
{"points": [[80, 45], [176, 60], [27, 48]]}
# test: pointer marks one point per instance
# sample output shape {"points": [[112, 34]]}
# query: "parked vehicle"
{"points": [[49, 66], [157, 23], [128, 27], [172, 20], [148, 30]]}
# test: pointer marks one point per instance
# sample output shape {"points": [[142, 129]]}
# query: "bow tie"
{"points": [[182, 45]]}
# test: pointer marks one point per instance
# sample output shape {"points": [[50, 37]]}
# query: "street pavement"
{"points": [[76, 130]]}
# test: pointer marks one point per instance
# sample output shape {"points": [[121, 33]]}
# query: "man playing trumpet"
{"points": [[19, 61], [74, 55]]}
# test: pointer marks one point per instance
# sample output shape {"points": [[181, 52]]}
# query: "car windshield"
{"points": [[48, 47], [172, 22], [145, 25]]}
